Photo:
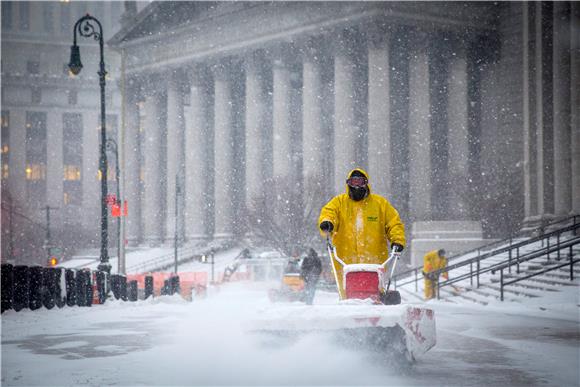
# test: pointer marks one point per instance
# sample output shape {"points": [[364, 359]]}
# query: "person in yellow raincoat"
{"points": [[432, 261], [361, 224]]}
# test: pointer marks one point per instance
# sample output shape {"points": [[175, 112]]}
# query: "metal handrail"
{"points": [[572, 261], [477, 260], [519, 234], [523, 258]]}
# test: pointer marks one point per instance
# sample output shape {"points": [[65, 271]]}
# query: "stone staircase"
{"points": [[488, 290]]}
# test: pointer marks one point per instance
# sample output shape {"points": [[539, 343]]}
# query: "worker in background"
{"points": [[310, 272], [433, 261]]}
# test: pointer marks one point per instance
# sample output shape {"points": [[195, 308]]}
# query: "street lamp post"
{"points": [[112, 145], [85, 26]]}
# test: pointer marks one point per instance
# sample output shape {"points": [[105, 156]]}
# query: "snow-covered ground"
{"points": [[168, 341]]}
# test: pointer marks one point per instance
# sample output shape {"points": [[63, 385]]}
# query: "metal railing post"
{"points": [[471, 273], [571, 265], [548, 248], [510, 261], [518, 260], [478, 273], [501, 284], [437, 288]]}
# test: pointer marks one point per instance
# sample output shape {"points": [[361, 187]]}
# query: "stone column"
{"points": [[175, 151], [313, 135], [282, 125], [256, 121], [346, 130], [562, 121], [379, 111], [419, 132], [153, 131], [457, 140], [224, 151], [90, 174], [54, 161], [575, 105], [17, 155], [537, 157], [197, 143], [132, 164]]}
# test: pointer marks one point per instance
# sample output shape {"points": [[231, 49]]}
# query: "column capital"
{"points": [[314, 49], [378, 34], [285, 55], [256, 61], [154, 84], [345, 41], [223, 69]]}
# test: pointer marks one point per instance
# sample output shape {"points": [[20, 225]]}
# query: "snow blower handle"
{"points": [[332, 250], [394, 255]]}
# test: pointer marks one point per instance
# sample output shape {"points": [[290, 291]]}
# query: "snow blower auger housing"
{"points": [[369, 316]]}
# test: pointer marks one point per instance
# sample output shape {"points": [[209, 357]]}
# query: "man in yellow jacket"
{"points": [[432, 261], [361, 224]]}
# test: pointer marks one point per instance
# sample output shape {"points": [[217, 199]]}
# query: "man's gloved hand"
{"points": [[326, 226], [397, 248]]}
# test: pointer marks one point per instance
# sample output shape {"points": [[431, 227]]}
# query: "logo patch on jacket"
{"points": [[373, 218]]}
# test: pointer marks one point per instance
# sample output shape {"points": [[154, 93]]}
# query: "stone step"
{"points": [[517, 291], [451, 294]]}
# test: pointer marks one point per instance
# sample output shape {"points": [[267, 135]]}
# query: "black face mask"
{"points": [[357, 193]]}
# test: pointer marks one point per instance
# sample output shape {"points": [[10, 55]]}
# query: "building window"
{"points": [[48, 17], [33, 67], [5, 143], [36, 95], [35, 150], [72, 153], [72, 97], [6, 15], [24, 15]]}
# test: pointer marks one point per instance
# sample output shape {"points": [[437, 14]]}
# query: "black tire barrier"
{"points": [[35, 283], [148, 286], [7, 286], [115, 288], [123, 288], [21, 287], [48, 288], [133, 291], [60, 288], [80, 285], [102, 287], [166, 289], [71, 287], [88, 287], [174, 283]]}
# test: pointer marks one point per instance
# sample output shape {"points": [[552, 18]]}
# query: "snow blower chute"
{"points": [[368, 315]]}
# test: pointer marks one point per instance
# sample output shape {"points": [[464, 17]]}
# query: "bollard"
{"points": [[148, 286], [132, 290], [35, 284], [7, 286], [48, 287], [71, 287]]}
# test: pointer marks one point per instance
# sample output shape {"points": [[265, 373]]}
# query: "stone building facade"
{"points": [[464, 114], [51, 125]]}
